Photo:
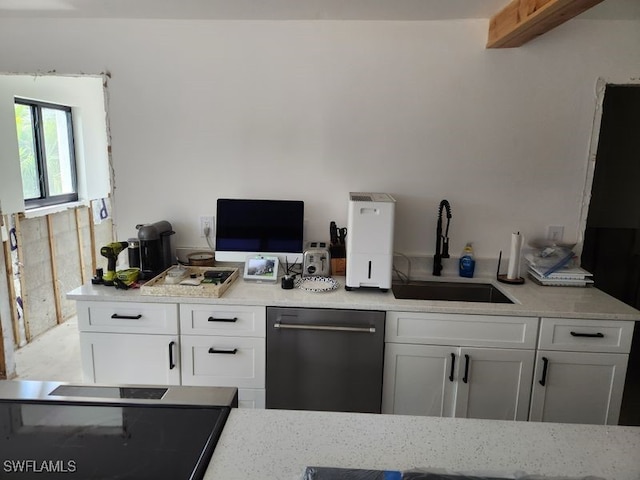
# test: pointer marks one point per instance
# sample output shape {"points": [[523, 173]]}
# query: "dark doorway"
{"points": [[612, 236]]}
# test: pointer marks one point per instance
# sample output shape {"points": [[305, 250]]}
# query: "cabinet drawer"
{"points": [[233, 320], [464, 330], [223, 361], [128, 317], [579, 335]]}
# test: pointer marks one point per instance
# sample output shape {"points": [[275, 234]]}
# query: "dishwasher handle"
{"points": [[328, 328]]}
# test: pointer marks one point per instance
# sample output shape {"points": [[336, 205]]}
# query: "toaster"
{"points": [[316, 260]]}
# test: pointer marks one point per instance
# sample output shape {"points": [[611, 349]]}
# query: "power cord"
{"points": [[405, 278], [207, 236]]}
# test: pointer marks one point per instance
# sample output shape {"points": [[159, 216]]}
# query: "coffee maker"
{"points": [[154, 243]]}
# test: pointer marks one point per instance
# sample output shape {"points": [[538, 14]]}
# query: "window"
{"points": [[47, 160]]}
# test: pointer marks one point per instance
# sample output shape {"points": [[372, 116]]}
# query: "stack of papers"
{"points": [[563, 277], [557, 266]]}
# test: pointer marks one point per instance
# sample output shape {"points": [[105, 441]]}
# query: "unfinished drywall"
{"points": [[57, 253], [37, 277]]}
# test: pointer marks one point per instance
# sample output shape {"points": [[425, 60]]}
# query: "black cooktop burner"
{"points": [[66, 440]]}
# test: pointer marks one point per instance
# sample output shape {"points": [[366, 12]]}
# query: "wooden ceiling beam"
{"points": [[524, 20]]}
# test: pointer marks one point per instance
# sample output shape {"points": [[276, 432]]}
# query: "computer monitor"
{"points": [[246, 227]]}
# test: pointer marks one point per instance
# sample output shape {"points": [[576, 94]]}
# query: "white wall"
{"points": [[312, 110], [86, 97]]}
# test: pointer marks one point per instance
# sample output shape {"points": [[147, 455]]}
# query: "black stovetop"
{"points": [[89, 440]]}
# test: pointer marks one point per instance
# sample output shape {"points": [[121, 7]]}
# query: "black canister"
{"points": [[134, 253]]}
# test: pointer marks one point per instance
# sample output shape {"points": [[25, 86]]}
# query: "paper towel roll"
{"points": [[513, 270]]}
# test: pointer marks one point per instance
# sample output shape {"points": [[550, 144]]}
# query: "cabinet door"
{"points": [[577, 387], [419, 379], [494, 383], [130, 358]]}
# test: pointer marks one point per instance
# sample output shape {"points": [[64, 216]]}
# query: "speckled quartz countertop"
{"points": [[279, 444], [529, 300]]}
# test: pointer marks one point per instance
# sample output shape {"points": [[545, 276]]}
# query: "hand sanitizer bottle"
{"points": [[467, 262]]}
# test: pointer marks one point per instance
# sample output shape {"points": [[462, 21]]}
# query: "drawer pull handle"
{"points": [[230, 320], [588, 335], [465, 379], [172, 365], [231, 351], [453, 366], [545, 365], [328, 328], [127, 317]]}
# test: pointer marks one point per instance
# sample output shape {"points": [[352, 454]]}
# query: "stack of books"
{"points": [[562, 277]]}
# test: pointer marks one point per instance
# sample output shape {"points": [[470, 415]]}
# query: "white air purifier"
{"points": [[370, 240]]}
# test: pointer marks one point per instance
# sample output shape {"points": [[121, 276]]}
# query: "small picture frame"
{"points": [[262, 268]]}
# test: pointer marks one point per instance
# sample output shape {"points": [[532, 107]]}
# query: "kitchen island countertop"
{"points": [[279, 444], [529, 300]]}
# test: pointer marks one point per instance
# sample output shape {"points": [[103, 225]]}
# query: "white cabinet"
{"points": [[128, 317], [459, 329], [129, 342], [224, 345], [580, 371], [118, 358], [577, 335], [416, 380], [188, 344], [494, 383], [475, 366], [478, 366]]}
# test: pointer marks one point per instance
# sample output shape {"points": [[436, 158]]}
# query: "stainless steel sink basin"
{"points": [[451, 291]]}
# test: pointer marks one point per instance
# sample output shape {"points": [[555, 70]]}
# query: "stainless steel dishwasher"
{"points": [[324, 359]]}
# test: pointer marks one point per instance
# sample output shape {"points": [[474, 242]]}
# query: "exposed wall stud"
{"points": [[92, 235], [24, 294], [83, 275], [54, 270]]}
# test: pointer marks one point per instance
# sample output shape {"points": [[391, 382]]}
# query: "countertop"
{"points": [[279, 444], [530, 300]]}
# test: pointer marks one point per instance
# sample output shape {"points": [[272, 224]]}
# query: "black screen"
{"points": [[261, 226]]}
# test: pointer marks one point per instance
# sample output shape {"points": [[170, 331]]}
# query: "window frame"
{"points": [[46, 199]]}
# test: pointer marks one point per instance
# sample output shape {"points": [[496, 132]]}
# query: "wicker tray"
{"points": [[159, 287]]}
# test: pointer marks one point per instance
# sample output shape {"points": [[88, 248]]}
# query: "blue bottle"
{"points": [[467, 263]]}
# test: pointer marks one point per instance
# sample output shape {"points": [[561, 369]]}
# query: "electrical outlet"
{"points": [[206, 222], [555, 233]]}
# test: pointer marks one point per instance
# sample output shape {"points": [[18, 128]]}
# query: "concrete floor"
{"points": [[53, 355]]}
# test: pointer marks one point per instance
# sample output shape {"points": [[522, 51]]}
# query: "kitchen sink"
{"points": [[450, 291]]}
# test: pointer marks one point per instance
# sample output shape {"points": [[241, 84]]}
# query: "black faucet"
{"points": [[442, 241]]}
